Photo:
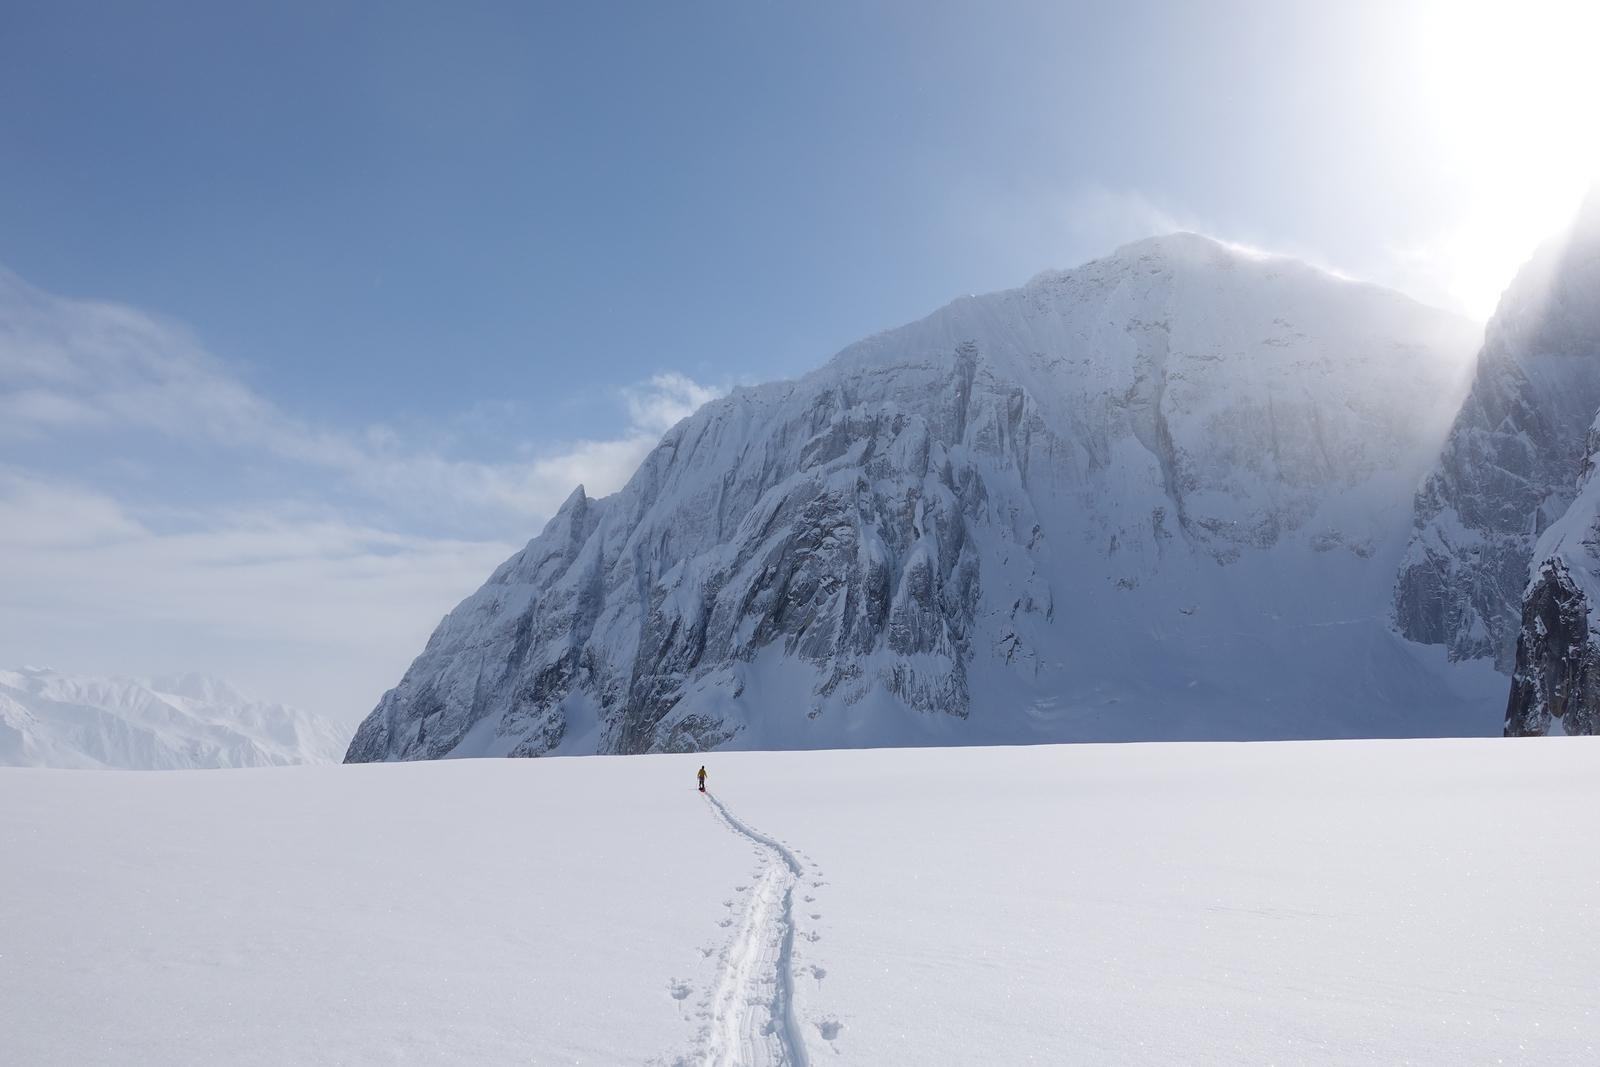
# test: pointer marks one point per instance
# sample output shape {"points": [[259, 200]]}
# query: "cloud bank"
{"points": [[158, 515]]}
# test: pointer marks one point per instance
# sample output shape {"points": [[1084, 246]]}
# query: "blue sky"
{"points": [[329, 303]]}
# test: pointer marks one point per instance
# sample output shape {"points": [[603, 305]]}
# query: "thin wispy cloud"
{"points": [[655, 406], [80, 366], [354, 543], [290, 599]]}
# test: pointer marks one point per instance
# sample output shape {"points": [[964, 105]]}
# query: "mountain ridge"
{"points": [[49, 718], [1510, 465], [988, 499]]}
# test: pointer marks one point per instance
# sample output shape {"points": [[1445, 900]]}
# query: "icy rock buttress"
{"points": [[1548, 327], [1144, 497], [1510, 466], [1556, 683]]}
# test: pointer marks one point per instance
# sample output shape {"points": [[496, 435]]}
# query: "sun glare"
{"points": [[1514, 87]]}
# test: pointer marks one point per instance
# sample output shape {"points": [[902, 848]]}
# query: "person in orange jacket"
{"points": [[702, 777]]}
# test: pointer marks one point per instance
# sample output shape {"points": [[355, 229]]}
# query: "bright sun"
{"points": [[1515, 87]]}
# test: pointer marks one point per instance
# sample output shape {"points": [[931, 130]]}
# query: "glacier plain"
{"points": [[1207, 903]]}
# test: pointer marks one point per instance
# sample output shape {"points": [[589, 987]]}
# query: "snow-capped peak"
{"points": [[1110, 485]]}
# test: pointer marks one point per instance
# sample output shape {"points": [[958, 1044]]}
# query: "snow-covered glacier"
{"points": [[1319, 905], [1164, 494], [51, 718]]}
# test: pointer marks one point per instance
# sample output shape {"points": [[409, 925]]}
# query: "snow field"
{"points": [[1314, 903], [1420, 902], [479, 912]]}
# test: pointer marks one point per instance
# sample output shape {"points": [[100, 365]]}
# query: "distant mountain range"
{"points": [[51, 719]]}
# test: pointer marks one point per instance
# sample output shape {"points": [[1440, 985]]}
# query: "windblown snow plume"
{"points": [[1161, 495]]}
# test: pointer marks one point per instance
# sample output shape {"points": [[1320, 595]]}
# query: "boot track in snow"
{"points": [[753, 1022]]}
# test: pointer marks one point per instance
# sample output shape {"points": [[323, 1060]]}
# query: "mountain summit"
{"points": [[1160, 495]]}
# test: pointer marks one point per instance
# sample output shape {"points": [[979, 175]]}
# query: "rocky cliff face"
{"points": [[1555, 686], [1557, 677], [1510, 465], [1131, 499]]}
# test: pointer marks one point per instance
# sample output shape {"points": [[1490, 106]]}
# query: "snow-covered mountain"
{"points": [[1556, 682], [1510, 466], [1161, 495], [51, 719]]}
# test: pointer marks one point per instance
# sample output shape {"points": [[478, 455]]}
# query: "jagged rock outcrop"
{"points": [[1556, 681], [1558, 661], [1124, 500], [1509, 467]]}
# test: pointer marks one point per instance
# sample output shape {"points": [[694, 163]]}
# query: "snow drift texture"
{"points": [[50, 719], [1325, 905], [1161, 495]]}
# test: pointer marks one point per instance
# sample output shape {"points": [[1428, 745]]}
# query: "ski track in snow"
{"points": [[753, 1022]]}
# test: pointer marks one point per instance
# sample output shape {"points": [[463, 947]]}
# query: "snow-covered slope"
{"points": [[1329, 903], [1511, 463], [50, 719], [1161, 495]]}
